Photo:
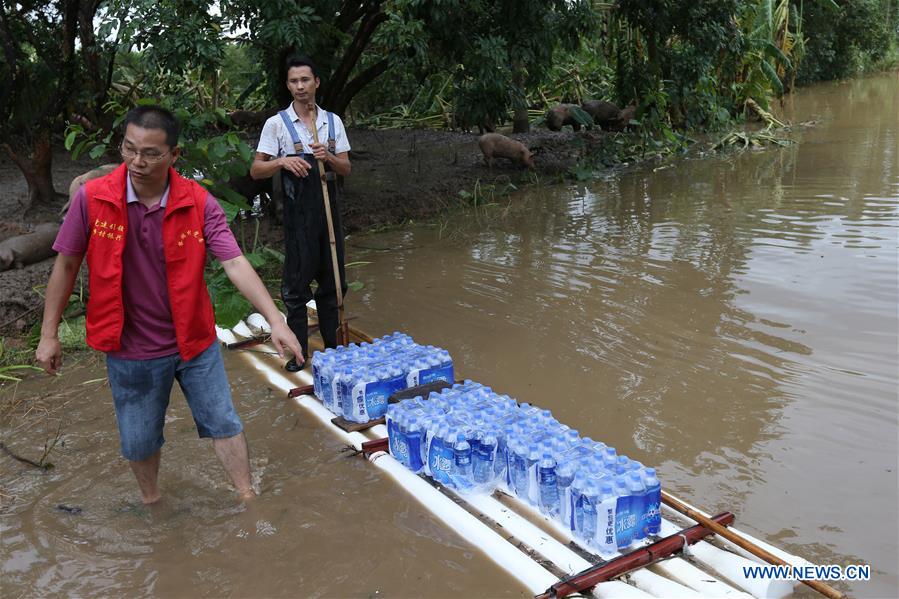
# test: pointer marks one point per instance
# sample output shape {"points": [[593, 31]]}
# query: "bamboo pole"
{"points": [[740, 541], [343, 333]]}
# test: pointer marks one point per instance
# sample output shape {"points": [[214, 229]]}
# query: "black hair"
{"points": [[152, 116], [301, 61]]}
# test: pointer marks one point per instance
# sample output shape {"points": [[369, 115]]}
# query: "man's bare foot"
{"points": [[152, 499], [246, 495]]}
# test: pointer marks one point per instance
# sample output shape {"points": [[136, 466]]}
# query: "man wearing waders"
{"points": [[287, 149]]}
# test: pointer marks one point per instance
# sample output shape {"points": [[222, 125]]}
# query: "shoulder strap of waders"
{"points": [[294, 136], [332, 143]]}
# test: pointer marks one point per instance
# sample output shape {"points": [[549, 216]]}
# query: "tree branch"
{"points": [[350, 12], [14, 156], [367, 27], [9, 46], [360, 81]]}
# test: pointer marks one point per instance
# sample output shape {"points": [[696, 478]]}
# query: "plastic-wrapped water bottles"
{"points": [[470, 439], [416, 363]]}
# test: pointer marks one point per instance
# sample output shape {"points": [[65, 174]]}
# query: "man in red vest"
{"points": [[145, 231]]}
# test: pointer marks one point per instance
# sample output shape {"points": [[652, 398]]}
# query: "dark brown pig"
{"points": [[494, 145], [605, 114], [628, 113], [561, 115], [22, 250], [83, 178]]}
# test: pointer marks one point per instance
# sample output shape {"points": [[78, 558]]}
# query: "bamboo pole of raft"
{"points": [[343, 333], [739, 541]]}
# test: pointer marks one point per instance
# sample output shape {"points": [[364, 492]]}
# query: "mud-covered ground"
{"points": [[398, 176]]}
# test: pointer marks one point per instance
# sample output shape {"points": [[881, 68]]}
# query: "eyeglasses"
{"points": [[151, 156]]}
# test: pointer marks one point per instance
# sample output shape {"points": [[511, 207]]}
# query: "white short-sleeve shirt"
{"points": [[276, 140]]}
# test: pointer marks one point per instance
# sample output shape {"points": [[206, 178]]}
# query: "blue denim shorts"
{"points": [[141, 390]]}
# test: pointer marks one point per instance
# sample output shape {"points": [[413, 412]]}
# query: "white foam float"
{"points": [[258, 325]]}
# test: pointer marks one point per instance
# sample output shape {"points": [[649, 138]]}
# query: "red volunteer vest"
{"points": [[185, 257]]}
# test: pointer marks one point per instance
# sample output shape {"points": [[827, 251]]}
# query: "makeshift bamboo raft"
{"points": [[539, 552]]}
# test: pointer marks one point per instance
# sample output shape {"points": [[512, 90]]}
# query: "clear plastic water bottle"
{"points": [[447, 456], [484, 468], [392, 430], [610, 457], [340, 375], [402, 442], [414, 441], [605, 519], [532, 491], [547, 485], [637, 491], [500, 464], [434, 447], [462, 459], [576, 495], [586, 515], [518, 467], [624, 521], [653, 500], [317, 360], [564, 479], [390, 422]]}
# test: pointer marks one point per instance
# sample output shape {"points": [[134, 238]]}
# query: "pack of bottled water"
{"points": [[472, 439], [452, 436], [355, 381]]}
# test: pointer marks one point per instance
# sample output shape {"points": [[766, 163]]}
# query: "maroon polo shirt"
{"points": [[148, 330]]}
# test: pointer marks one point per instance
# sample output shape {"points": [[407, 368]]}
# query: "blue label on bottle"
{"points": [[625, 522], [432, 375], [414, 441]]}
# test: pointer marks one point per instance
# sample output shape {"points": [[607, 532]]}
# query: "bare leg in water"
{"points": [[147, 472], [232, 452]]}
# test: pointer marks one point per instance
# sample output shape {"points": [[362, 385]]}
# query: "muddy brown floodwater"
{"points": [[730, 320]]}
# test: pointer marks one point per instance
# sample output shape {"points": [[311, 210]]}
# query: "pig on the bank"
{"points": [[494, 145], [561, 115], [22, 250], [628, 113], [605, 114], [83, 178]]}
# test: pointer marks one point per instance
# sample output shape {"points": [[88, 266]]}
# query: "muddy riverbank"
{"points": [[399, 176]]}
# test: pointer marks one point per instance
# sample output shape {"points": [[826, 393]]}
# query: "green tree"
{"points": [[842, 42], [495, 50], [51, 65]]}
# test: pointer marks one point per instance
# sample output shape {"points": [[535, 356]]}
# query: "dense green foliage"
{"points": [[862, 34], [438, 63]]}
